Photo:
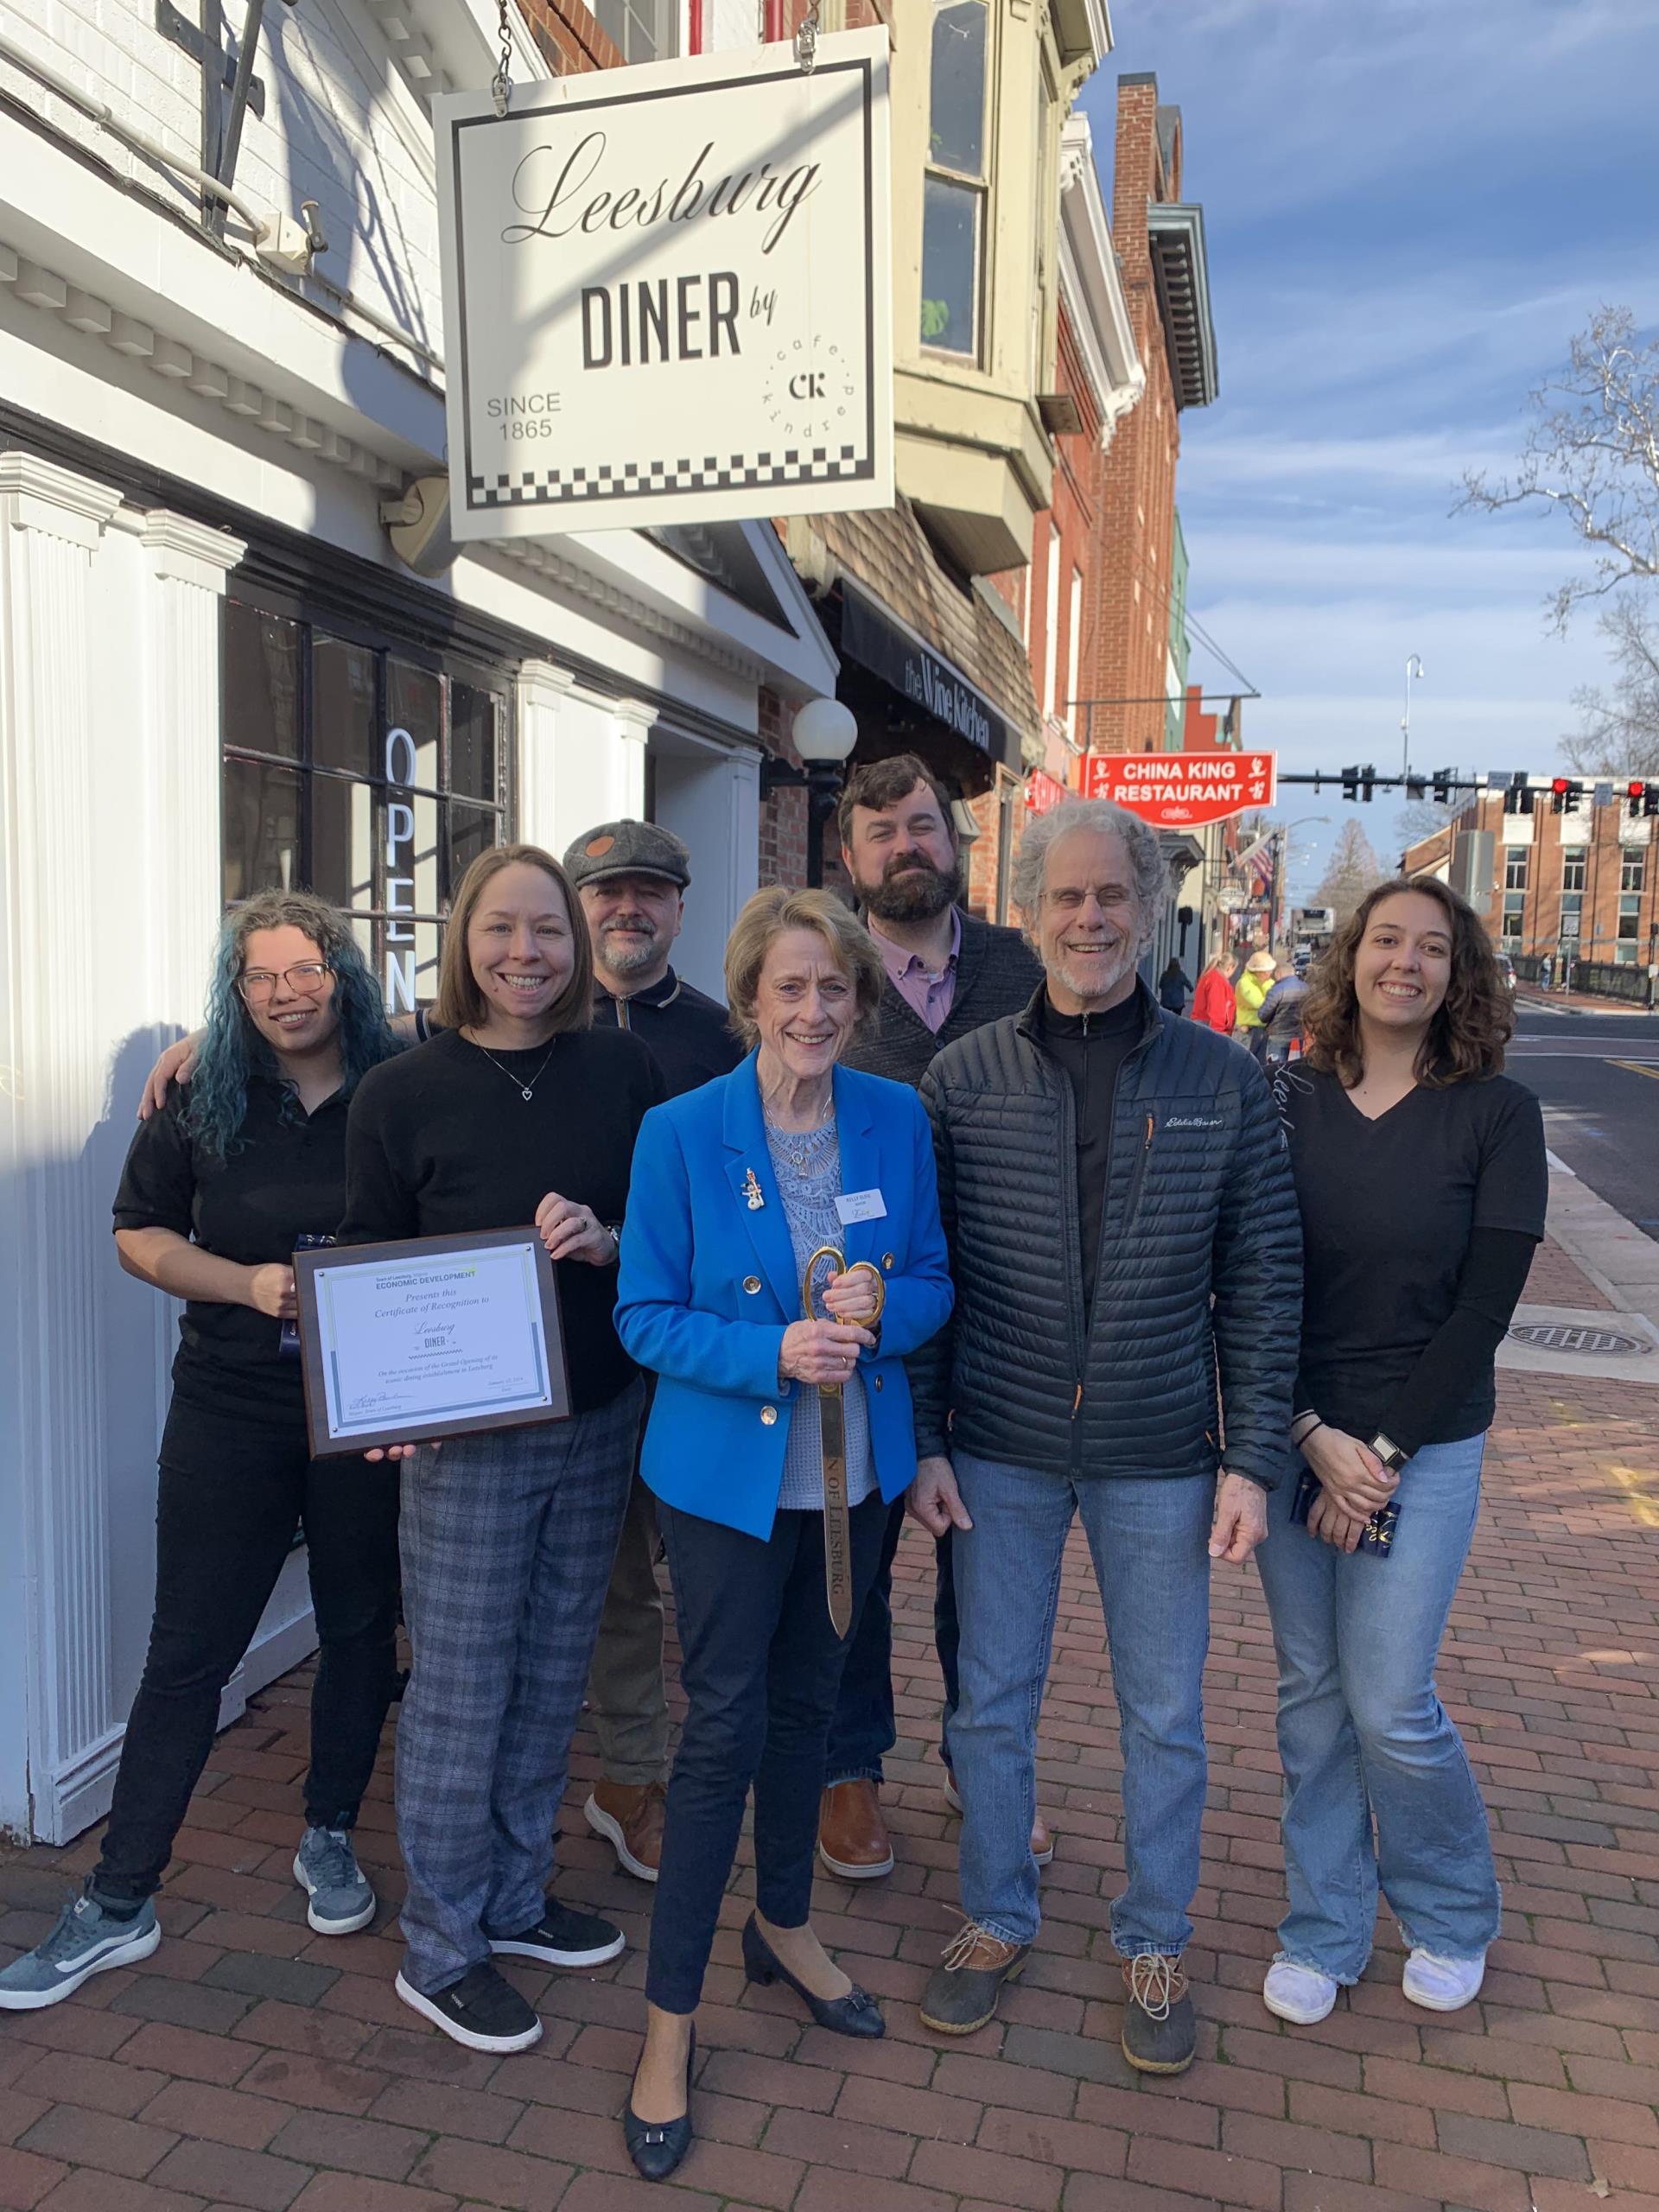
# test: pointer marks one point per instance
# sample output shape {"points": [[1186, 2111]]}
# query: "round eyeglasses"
{"points": [[257, 984]]}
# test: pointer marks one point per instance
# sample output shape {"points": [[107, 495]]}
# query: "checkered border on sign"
{"points": [[635, 479]]}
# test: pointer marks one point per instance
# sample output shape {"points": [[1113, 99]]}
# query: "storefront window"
{"points": [[640, 31], [357, 770], [955, 189]]}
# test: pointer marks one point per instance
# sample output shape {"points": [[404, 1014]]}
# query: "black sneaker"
{"points": [[1160, 2027], [963, 1993], [563, 1938], [482, 2010]]}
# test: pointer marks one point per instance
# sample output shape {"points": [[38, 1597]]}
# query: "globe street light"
{"points": [[824, 732]]}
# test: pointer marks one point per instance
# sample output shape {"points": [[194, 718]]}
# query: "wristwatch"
{"points": [[1389, 1452]]}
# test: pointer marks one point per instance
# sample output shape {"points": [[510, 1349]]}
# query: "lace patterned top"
{"points": [[809, 1191]]}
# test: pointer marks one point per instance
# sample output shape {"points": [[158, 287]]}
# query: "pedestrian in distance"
{"points": [[1422, 1179], [1124, 1244], [219, 1189], [1252, 987], [946, 973], [1173, 989], [1281, 1016], [783, 1254], [1215, 1001], [631, 877], [519, 1109]]}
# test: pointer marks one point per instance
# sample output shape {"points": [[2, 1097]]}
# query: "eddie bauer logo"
{"points": [[948, 700], [1194, 1121]]}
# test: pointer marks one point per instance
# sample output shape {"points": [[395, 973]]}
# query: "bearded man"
{"points": [[632, 879], [947, 973]]}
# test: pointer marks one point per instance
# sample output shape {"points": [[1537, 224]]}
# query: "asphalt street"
{"points": [[1597, 1077]]}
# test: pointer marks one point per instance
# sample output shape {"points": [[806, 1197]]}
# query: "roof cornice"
{"points": [[1090, 282], [1181, 272]]}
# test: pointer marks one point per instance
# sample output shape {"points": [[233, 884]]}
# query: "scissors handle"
{"points": [[837, 1260]]}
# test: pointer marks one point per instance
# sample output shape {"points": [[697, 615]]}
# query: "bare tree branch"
{"points": [[1591, 454]]}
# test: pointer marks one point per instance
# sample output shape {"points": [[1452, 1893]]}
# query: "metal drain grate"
{"points": [[1561, 1336]]}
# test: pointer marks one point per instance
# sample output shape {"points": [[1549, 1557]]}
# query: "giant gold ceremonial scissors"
{"points": [[832, 1431]]}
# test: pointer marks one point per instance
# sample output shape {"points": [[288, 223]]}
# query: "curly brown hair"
{"points": [[1473, 1023]]}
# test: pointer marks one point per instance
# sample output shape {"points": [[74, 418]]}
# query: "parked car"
{"points": [[1505, 967]]}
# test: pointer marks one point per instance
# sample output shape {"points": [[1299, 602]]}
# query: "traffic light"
{"points": [[1518, 799], [1367, 779], [1351, 783], [1565, 792], [1644, 797], [1416, 788], [1445, 783]]}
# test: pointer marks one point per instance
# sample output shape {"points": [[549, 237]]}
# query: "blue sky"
{"points": [[1410, 207]]}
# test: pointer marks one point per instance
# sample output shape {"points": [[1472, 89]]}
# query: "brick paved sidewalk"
{"points": [[252, 2063]]}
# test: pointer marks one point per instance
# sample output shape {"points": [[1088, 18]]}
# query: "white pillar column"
{"points": [[582, 760], [56, 1721], [181, 785]]}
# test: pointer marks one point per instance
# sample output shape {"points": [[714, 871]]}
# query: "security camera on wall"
{"points": [[418, 527]]}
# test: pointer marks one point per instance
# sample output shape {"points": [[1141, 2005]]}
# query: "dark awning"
{"points": [[872, 635]]}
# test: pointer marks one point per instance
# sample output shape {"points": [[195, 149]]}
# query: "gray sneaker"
{"points": [[326, 1868], [87, 1940]]}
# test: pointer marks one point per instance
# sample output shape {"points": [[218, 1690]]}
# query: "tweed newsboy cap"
{"points": [[627, 848]]}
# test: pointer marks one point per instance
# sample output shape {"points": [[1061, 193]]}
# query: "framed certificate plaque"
{"points": [[436, 1336]]}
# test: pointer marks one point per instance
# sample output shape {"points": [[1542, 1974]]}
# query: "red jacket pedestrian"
{"points": [[1213, 1001]]}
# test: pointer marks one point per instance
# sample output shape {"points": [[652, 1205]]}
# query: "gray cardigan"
{"points": [[996, 973]]}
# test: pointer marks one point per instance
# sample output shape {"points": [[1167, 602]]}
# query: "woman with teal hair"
{"points": [[221, 1188]]}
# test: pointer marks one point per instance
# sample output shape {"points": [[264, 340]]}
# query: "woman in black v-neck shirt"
{"points": [[519, 1110], [1421, 1178], [219, 1188]]}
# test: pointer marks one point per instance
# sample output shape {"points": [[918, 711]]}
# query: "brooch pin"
{"points": [[753, 1192]]}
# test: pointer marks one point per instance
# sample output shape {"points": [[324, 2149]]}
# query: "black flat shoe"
{"points": [[658, 2146], [855, 2014]]}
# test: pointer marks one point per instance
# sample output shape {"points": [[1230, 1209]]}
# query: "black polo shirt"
{"points": [[284, 1178], [684, 1028]]}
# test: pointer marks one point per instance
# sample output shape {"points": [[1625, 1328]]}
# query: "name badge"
{"points": [[860, 1206]]}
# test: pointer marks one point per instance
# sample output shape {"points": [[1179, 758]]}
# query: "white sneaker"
{"points": [[1442, 1985], [1301, 1995]]}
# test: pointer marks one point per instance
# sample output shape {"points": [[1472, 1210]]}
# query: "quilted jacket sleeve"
{"points": [[929, 1369], [1258, 1291]]}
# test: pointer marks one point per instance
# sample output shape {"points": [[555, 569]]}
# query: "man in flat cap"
{"points": [[632, 879]]}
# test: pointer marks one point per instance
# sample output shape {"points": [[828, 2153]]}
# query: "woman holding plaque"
{"points": [[770, 1490], [1420, 1175], [519, 1109], [219, 1189]]}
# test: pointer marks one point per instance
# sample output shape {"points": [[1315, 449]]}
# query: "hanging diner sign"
{"points": [[1181, 790], [667, 293]]}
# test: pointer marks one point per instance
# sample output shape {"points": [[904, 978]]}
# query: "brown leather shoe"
{"points": [[852, 1839], [629, 1815], [1042, 1839]]}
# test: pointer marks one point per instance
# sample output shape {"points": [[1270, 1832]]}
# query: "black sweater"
{"points": [[996, 973], [441, 1142]]}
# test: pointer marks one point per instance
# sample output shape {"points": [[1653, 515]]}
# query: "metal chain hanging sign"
{"points": [[667, 291]]}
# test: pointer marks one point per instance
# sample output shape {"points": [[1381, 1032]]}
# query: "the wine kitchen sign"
{"points": [[667, 293]]}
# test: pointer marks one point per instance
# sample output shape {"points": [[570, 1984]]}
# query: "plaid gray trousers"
{"points": [[508, 1540]]}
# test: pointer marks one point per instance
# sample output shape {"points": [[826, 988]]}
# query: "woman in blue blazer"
{"points": [[734, 1186]]}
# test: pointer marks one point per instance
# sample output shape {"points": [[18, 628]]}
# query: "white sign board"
{"points": [[667, 293]]}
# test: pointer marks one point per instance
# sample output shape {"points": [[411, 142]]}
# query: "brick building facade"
{"points": [[1586, 882], [1159, 243]]}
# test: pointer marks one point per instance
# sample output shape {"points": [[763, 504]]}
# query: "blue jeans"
{"points": [[1362, 1735], [1149, 1542]]}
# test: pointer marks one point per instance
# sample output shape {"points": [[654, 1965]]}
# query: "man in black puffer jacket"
{"points": [[1127, 1262]]}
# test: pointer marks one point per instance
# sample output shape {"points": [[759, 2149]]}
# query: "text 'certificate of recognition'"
{"points": [[436, 1337]]}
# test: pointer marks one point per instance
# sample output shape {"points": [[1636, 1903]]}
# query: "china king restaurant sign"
{"points": [[667, 293], [1183, 791]]}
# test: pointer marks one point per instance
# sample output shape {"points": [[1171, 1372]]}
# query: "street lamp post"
{"points": [[1281, 873], [824, 732], [1413, 667]]}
